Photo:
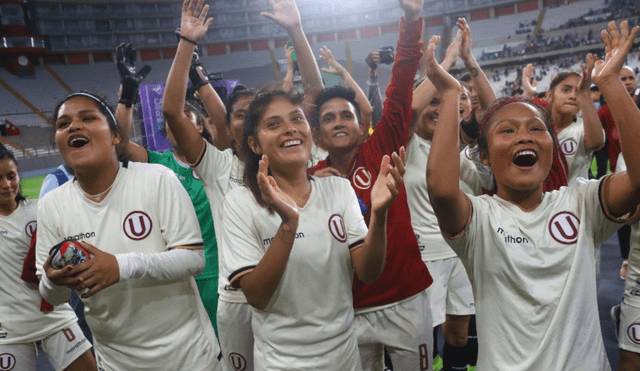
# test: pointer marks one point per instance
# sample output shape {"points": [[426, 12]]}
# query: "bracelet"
{"points": [[188, 40]]}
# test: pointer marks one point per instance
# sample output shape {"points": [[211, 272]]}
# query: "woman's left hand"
{"points": [[97, 273], [584, 86], [387, 186]]}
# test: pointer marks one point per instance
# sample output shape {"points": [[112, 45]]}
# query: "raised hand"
{"points": [[373, 60], [194, 24], [529, 86], [465, 42], [387, 185], [584, 86], [617, 45], [273, 196], [453, 50], [285, 13], [129, 78], [335, 68], [412, 9], [440, 78]]}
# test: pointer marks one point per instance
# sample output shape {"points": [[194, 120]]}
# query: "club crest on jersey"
{"points": [[137, 225], [30, 228], [569, 146], [337, 229], [7, 361], [361, 178], [564, 227], [237, 362], [634, 333]]}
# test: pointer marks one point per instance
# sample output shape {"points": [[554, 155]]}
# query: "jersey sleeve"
{"points": [[213, 164], [177, 217], [46, 233], [464, 243], [353, 219], [242, 247], [590, 196], [392, 132]]}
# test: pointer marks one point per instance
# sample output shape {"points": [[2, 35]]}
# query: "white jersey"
{"points": [[423, 219], [632, 282], [140, 323], [21, 320], [220, 172], [534, 282], [571, 140], [308, 323]]}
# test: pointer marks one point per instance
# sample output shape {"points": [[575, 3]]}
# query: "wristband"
{"points": [[188, 40], [52, 293]]}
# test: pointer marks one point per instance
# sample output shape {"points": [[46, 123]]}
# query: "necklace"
{"points": [[97, 195]]}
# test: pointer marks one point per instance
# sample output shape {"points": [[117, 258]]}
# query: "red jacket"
{"points": [[405, 274]]}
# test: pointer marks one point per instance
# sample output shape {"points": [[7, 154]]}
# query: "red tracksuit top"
{"points": [[405, 274]]}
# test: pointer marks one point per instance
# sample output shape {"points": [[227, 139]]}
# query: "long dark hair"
{"points": [[6, 154], [257, 108], [105, 108]]}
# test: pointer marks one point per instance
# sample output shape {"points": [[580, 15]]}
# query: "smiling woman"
{"points": [[290, 236], [141, 228], [529, 248]]}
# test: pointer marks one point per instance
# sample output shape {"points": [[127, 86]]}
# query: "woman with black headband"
{"points": [[137, 222]]}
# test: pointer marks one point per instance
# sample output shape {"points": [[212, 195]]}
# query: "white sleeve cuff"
{"points": [[53, 294], [167, 266]]}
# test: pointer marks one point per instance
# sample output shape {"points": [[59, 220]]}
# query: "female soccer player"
{"points": [[222, 171], [295, 241], [568, 94], [528, 253], [25, 327], [141, 301]]}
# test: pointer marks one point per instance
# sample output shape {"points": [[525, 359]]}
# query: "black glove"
{"points": [[129, 78], [197, 74]]}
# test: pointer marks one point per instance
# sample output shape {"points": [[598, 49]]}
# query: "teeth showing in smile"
{"points": [[78, 142], [291, 143], [525, 158], [341, 134]]}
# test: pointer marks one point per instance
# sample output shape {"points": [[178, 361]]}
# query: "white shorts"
{"points": [[61, 349], [404, 329], [629, 338], [450, 292], [236, 336]]}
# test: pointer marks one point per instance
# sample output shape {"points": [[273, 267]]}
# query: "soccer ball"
{"points": [[68, 253]]}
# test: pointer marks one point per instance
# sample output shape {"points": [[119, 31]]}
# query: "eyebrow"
{"points": [[79, 112]]}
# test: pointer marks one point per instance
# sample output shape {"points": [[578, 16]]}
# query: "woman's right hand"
{"points": [[273, 196], [194, 24], [61, 277]]}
